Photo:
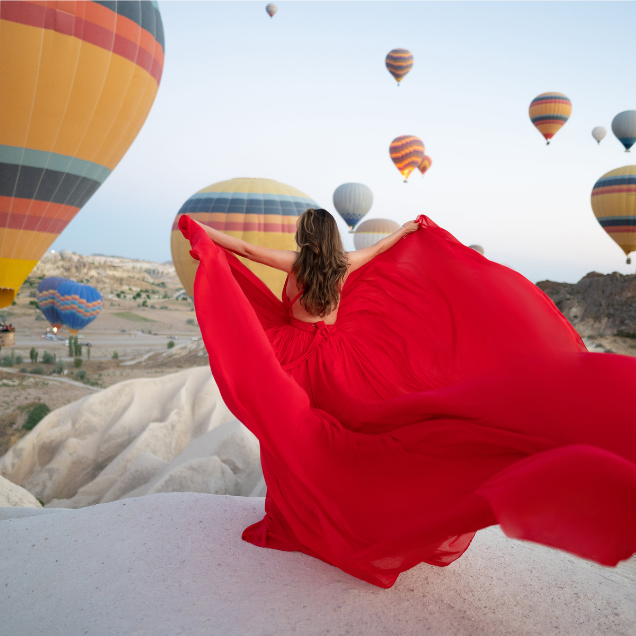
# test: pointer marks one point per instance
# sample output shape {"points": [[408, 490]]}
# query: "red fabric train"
{"points": [[450, 395]]}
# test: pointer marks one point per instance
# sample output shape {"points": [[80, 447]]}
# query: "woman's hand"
{"points": [[411, 226]]}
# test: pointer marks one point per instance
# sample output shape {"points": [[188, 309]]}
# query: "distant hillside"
{"points": [[598, 305], [109, 274]]}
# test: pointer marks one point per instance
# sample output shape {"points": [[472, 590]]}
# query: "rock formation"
{"points": [[138, 437], [175, 564], [14, 496], [598, 305]]}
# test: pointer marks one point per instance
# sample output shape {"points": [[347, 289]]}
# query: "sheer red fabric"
{"points": [[450, 395]]}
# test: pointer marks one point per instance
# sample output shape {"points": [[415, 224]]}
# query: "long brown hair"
{"points": [[321, 264]]}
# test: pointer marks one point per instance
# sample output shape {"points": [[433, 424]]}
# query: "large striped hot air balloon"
{"points": [[77, 304], [614, 206], [259, 211], [399, 62], [549, 112], [425, 164], [370, 232], [407, 153], [77, 80], [352, 201], [46, 297], [624, 127]]}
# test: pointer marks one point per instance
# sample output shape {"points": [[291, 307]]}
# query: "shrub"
{"points": [[34, 303], [77, 363], [115, 355], [33, 294], [81, 374], [38, 412], [191, 321], [19, 360], [59, 367], [40, 318], [163, 307], [48, 358], [24, 370], [170, 344], [38, 370], [7, 361]]}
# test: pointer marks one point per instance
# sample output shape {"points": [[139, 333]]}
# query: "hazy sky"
{"points": [[305, 98]]}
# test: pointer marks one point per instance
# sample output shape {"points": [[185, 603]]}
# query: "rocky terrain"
{"points": [[601, 307]]}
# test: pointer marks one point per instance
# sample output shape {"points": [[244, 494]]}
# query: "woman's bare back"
{"points": [[298, 310]]}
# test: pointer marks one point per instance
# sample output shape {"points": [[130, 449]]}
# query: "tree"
{"points": [[70, 346], [88, 351]]}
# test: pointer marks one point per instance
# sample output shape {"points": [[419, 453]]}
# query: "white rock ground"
{"points": [[144, 436], [172, 564], [12, 495]]}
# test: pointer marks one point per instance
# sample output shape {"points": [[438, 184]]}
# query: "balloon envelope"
{"points": [[370, 232], [407, 153], [614, 206], [259, 211], [624, 127], [77, 304], [352, 201], [271, 9], [46, 297], [599, 133], [426, 163], [77, 80], [399, 62], [549, 112], [477, 248]]}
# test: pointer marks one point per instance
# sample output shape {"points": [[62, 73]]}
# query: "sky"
{"points": [[305, 99]]}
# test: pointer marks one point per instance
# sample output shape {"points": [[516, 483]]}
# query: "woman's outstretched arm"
{"points": [[278, 259], [358, 258]]}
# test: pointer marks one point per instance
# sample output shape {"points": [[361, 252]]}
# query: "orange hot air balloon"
{"points": [[77, 81], [427, 162], [549, 112], [407, 153]]}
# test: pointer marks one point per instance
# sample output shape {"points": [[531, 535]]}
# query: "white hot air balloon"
{"points": [[271, 9], [624, 127], [599, 133], [352, 201], [477, 248], [370, 232]]}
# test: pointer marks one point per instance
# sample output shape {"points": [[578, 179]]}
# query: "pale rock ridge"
{"points": [[14, 496], [142, 436]]}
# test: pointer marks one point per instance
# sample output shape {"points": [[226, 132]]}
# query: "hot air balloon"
{"points": [[624, 127], [614, 206], [548, 112], [599, 133], [77, 80], [407, 153], [399, 62], [352, 201], [477, 248], [260, 211], [46, 297], [426, 163], [77, 304], [370, 232], [271, 9]]}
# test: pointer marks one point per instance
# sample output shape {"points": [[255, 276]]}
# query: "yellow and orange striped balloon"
{"points": [[549, 112], [407, 153], [77, 80]]}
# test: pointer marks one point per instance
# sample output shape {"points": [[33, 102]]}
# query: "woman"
{"points": [[409, 394]]}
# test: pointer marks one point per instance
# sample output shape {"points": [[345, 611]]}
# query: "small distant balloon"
{"points": [[399, 62], [477, 248], [407, 152], [614, 206], [427, 162], [370, 232], [352, 201], [271, 9], [549, 112], [599, 133], [624, 127], [78, 304]]}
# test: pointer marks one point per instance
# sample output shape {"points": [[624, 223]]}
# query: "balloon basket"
{"points": [[7, 338], [629, 260]]}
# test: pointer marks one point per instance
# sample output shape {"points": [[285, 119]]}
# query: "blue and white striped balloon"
{"points": [[353, 201]]}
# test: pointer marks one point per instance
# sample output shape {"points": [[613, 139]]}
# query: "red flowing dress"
{"points": [[450, 395]]}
